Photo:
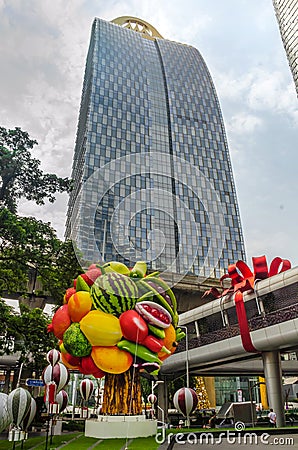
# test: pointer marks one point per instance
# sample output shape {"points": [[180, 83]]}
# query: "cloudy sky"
{"points": [[43, 48]]}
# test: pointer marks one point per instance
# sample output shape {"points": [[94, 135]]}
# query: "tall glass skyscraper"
{"points": [[152, 172], [286, 12]]}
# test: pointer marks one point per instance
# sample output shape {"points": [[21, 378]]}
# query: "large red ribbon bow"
{"points": [[243, 279]]}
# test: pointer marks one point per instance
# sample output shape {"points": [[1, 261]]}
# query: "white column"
{"points": [[273, 378]]}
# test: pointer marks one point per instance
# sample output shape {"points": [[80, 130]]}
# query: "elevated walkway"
{"points": [[213, 332], [259, 323]]}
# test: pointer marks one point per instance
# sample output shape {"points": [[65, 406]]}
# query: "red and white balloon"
{"points": [[86, 388], [152, 399], [57, 373], [62, 400], [185, 400], [53, 357]]}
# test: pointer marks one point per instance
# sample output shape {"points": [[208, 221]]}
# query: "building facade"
{"points": [[286, 12], [152, 172]]}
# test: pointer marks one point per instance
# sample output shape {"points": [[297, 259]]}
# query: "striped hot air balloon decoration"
{"points": [[26, 422], [4, 415], [62, 400], [86, 388], [185, 400], [53, 357], [57, 373], [152, 399], [18, 405]]}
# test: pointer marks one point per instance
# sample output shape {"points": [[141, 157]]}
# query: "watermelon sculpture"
{"points": [[116, 322], [114, 293]]}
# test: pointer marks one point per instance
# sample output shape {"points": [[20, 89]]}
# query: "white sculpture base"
{"points": [[107, 427]]}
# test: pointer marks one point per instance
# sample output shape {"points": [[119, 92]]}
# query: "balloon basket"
{"points": [[108, 427], [16, 435], [53, 408], [84, 413]]}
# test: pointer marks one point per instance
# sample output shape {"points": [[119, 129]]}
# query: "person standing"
{"points": [[272, 418], [212, 421]]}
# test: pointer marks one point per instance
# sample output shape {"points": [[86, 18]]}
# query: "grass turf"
{"points": [[38, 443], [77, 441]]}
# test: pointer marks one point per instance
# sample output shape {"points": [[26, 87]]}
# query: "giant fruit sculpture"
{"points": [[116, 322]]}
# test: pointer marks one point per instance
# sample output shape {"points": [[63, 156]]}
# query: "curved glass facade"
{"points": [[286, 12], [153, 96]]}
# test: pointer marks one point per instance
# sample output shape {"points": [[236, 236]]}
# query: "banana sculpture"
{"points": [[115, 317]]}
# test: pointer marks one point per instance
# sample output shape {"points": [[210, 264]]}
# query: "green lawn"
{"points": [[39, 442], [77, 441]]}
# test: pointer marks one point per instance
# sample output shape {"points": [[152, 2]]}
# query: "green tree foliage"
{"points": [[25, 334], [27, 246], [33, 261], [21, 175], [7, 332], [31, 337], [146, 388]]}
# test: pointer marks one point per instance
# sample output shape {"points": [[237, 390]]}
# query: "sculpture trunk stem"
{"points": [[122, 394]]}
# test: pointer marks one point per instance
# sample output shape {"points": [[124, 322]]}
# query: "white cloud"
{"points": [[244, 123], [259, 90], [233, 87], [270, 91], [53, 213]]}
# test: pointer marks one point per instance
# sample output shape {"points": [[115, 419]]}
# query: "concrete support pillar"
{"points": [[273, 376], [163, 400]]}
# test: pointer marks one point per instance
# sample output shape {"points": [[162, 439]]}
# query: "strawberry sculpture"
{"points": [[115, 318]]}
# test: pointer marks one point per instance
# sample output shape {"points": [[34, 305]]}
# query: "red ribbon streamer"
{"points": [[243, 323], [243, 279]]}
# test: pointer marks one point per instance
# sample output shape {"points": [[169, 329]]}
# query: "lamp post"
{"points": [[186, 350], [74, 394], [153, 386], [186, 366], [250, 389]]}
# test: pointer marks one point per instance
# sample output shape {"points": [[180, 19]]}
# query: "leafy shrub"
{"points": [[73, 425]]}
